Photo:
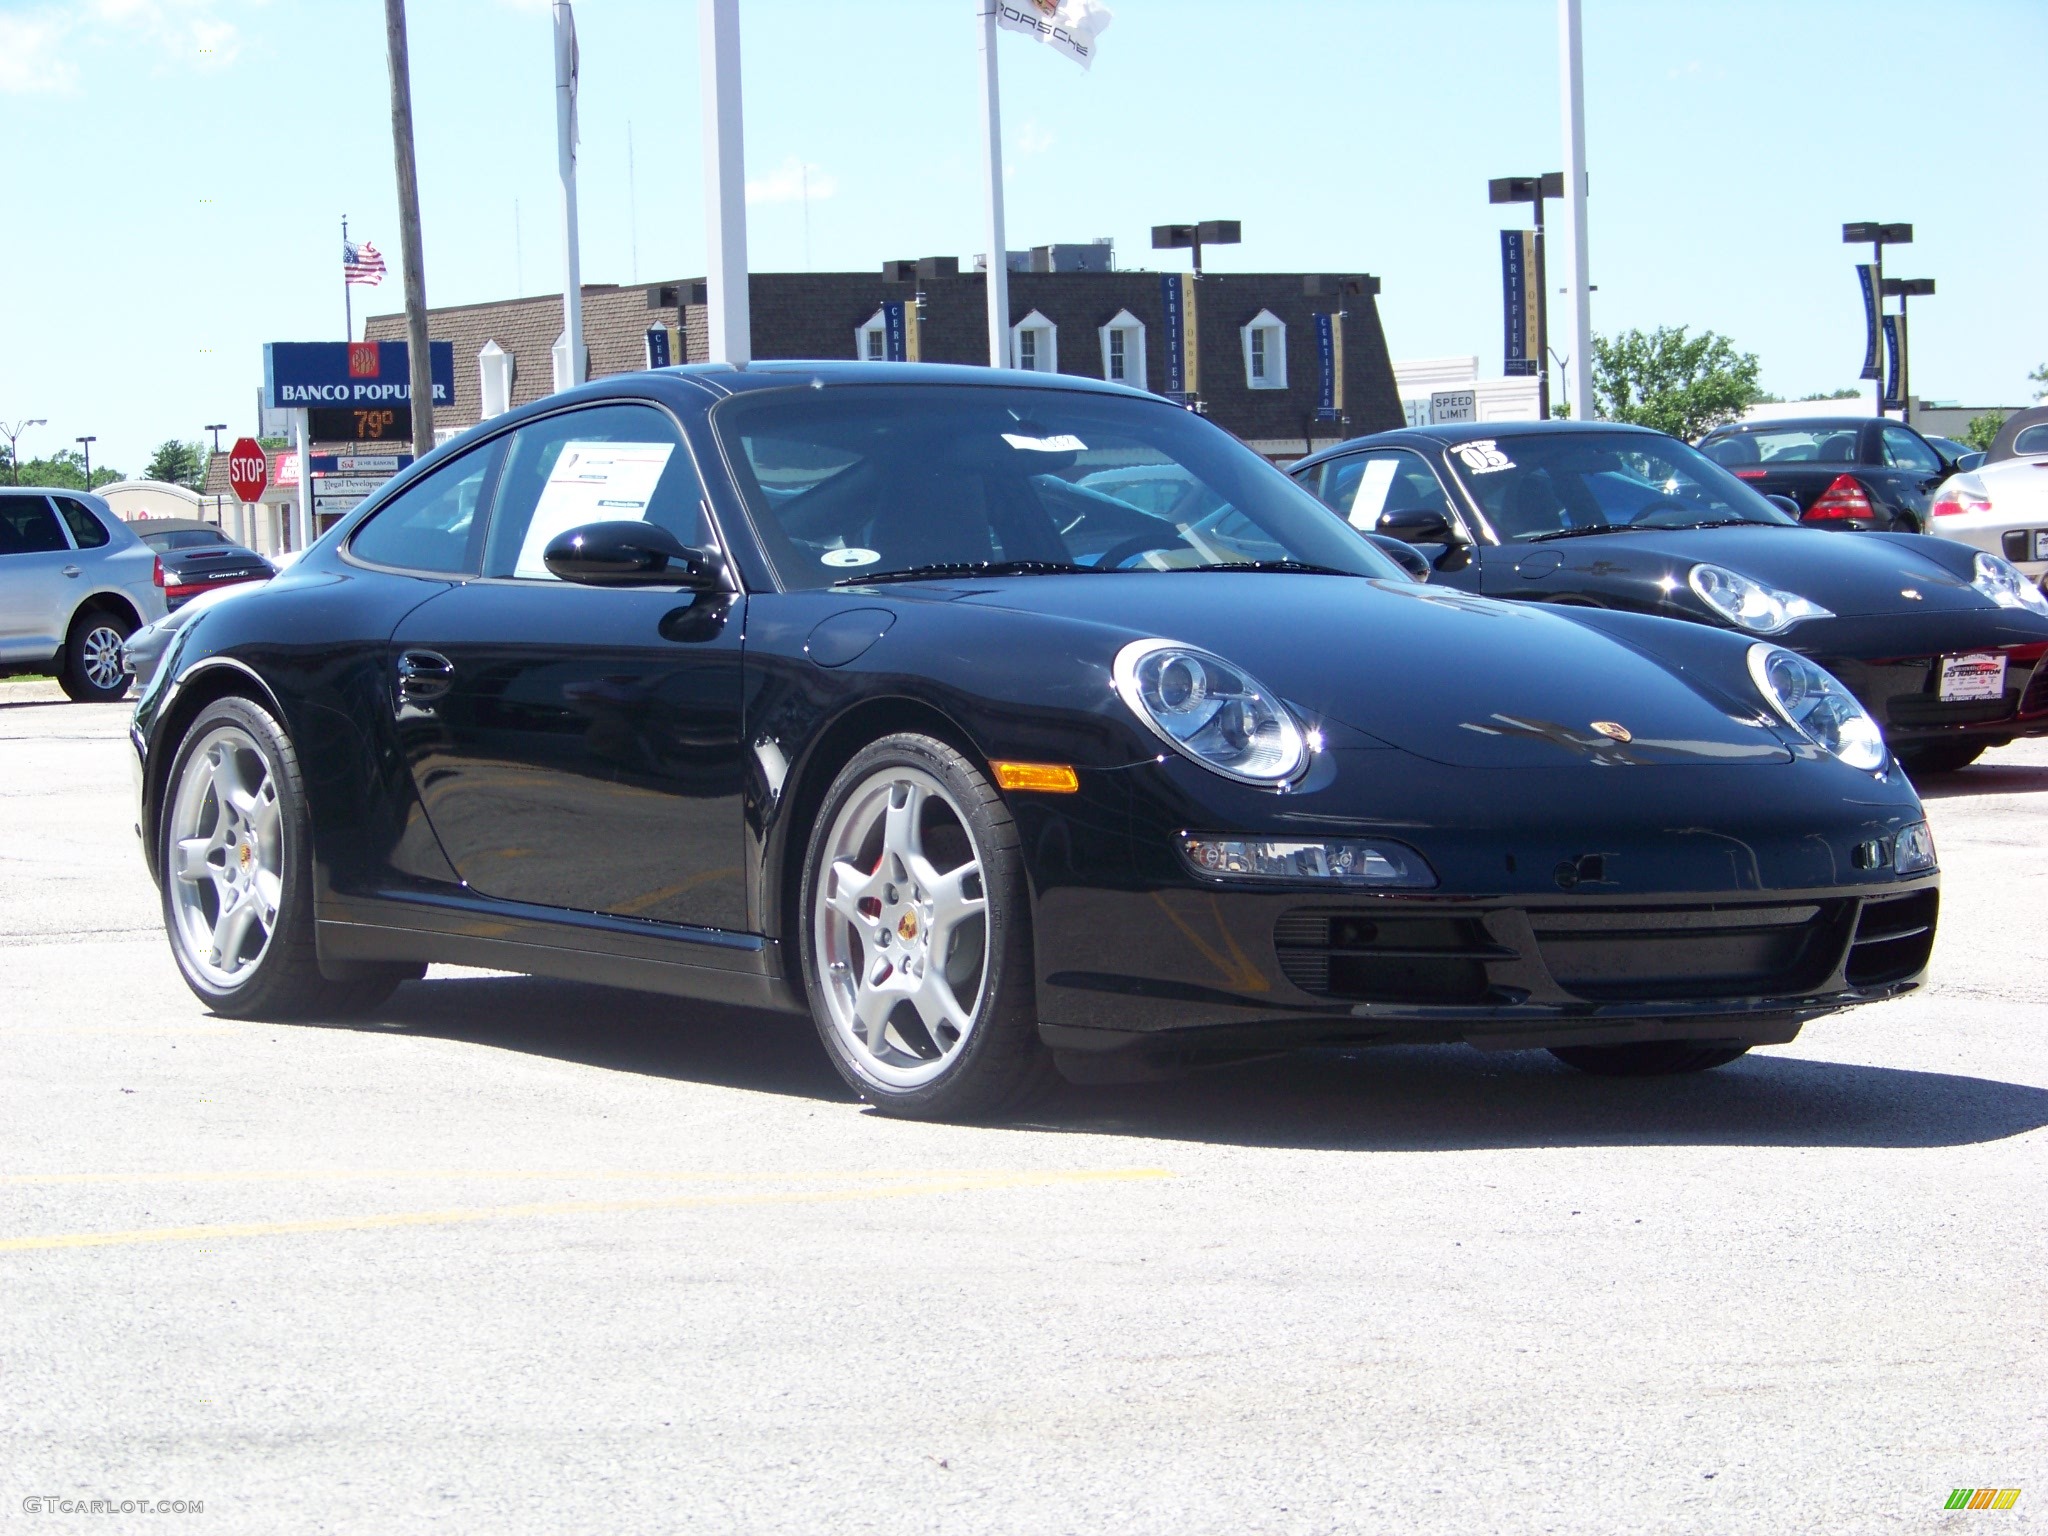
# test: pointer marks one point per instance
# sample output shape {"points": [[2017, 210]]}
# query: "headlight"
{"points": [[1341, 861], [1752, 605], [1817, 706], [2000, 580], [1202, 706]]}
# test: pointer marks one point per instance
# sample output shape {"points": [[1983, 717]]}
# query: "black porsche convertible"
{"points": [[890, 694], [1940, 642]]}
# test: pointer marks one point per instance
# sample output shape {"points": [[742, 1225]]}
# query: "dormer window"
{"points": [[871, 340], [1034, 344], [1123, 350], [1265, 351]]}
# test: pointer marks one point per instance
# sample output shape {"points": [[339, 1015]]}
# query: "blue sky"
{"points": [[180, 167]]}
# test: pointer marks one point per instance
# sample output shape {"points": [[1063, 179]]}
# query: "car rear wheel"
{"points": [[233, 857], [917, 948], [1647, 1058], [92, 671], [1925, 757]]}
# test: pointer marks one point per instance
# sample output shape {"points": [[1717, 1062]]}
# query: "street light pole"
{"points": [[1533, 190], [87, 443], [216, 428], [14, 443], [1904, 288], [1173, 237], [1878, 236]]}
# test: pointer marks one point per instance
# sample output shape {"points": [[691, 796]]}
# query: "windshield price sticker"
{"points": [[850, 557], [591, 483], [1482, 458], [1980, 675], [1064, 442]]}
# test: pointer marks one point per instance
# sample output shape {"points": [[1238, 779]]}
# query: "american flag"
{"points": [[361, 263]]}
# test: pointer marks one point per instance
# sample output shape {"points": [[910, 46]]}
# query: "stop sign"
{"points": [[248, 469]]}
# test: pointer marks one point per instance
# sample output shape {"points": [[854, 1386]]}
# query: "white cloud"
{"points": [[1034, 139], [31, 58], [42, 50], [790, 182]]}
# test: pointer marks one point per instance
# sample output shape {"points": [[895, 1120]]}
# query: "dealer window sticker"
{"points": [[1483, 458], [1062, 442], [1373, 486], [849, 556], [591, 483]]}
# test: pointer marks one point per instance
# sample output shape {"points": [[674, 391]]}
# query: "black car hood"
{"points": [[1852, 575], [1443, 675]]}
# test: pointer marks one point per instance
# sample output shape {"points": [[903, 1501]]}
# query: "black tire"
{"points": [[285, 981], [1905, 522], [91, 672], [998, 1063], [1922, 758], [1647, 1058]]}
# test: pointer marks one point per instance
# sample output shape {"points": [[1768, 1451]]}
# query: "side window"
{"points": [[433, 525], [1903, 450], [87, 532], [1367, 486], [605, 464], [28, 526]]}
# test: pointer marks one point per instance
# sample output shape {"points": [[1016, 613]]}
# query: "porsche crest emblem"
{"points": [[908, 927], [1614, 730]]}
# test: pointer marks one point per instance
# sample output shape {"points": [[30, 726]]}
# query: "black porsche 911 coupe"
{"points": [[889, 693], [1942, 643]]}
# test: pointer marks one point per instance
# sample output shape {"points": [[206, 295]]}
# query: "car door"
{"points": [[39, 574], [576, 746], [1367, 486], [1916, 468]]}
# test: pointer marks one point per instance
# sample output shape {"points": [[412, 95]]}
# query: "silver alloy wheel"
{"points": [[900, 928], [100, 651], [225, 856]]}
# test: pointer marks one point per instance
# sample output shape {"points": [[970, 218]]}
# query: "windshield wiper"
{"points": [[968, 568], [1303, 567], [1580, 533], [1730, 522]]}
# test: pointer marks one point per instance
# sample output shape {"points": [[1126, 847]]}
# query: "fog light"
{"points": [[1339, 861], [1913, 853]]}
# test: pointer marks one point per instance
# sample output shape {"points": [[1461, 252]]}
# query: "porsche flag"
{"points": [[1068, 26]]}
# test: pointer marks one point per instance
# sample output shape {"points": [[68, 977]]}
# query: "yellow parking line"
{"points": [[459, 1214]]}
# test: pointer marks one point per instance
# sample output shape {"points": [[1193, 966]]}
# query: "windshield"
{"points": [[184, 538], [1552, 484], [861, 481], [1822, 443]]}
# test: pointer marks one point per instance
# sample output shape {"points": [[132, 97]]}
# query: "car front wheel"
{"points": [[234, 856], [92, 671], [917, 951]]}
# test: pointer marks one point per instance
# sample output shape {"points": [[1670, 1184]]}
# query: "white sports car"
{"points": [[2001, 506]]}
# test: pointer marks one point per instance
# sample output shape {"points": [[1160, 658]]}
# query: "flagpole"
{"points": [[992, 170], [565, 144], [730, 322], [1572, 50], [348, 311]]}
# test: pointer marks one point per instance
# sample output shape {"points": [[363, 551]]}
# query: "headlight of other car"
{"points": [[1817, 706], [2001, 581], [1206, 709], [1750, 604]]}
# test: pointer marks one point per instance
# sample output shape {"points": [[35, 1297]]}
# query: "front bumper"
{"points": [[1904, 697]]}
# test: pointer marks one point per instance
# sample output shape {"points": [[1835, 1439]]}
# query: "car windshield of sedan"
{"points": [[1553, 486], [864, 481]]}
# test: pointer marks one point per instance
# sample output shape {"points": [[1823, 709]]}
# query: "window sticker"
{"points": [[1482, 458], [849, 557], [1064, 442], [1373, 486], [591, 483]]}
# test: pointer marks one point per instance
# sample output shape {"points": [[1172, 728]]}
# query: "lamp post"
{"points": [[13, 438], [1175, 237], [216, 428], [1877, 237], [1904, 288], [86, 443], [1533, 190]]}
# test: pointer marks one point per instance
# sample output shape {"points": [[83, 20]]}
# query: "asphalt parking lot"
{"points": [[519, 1255]]}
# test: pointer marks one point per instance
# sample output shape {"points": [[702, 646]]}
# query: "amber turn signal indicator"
{"points": [[1053, 778]]}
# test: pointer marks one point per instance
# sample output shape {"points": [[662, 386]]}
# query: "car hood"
{"points": [[1852, 575], [1443, 675]]}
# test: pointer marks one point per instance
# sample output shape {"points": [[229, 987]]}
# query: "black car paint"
{"points": [[1885, 644], [726, 715], [1899, 495]]}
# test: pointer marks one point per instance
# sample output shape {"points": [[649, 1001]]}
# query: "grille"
{"points": [[1370, 958], [1911, 709], [2035, 698], [1697, 951], [1894, 937]]}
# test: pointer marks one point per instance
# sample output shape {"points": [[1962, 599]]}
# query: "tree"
{"points": [[1982, 429], [1681, 384], [1836, 394], [178, 464], [65, 471], [2040, 376]]}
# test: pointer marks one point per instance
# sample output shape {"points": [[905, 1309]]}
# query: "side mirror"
{"points": [[1968, 461], [1784, 504], [1418, 525], [632, 555], [1406, 556]]}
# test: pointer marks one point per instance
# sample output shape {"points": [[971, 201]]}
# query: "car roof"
{"points": [[780, 373], [1450, 434], [1798, 424]]}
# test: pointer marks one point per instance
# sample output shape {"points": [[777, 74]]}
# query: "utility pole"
{"points": [[420, 354]]}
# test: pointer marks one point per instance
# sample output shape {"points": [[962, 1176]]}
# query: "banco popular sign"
{"points": [[299, 375]]}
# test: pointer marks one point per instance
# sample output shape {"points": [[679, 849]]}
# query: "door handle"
{"points": [[423, 676], [70, 570]]}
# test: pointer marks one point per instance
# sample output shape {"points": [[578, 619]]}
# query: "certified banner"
{"points": [[1177, 299], [1329, 368], [892, 332], [1895, 356], [1520, 344], [1866, 273]]}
